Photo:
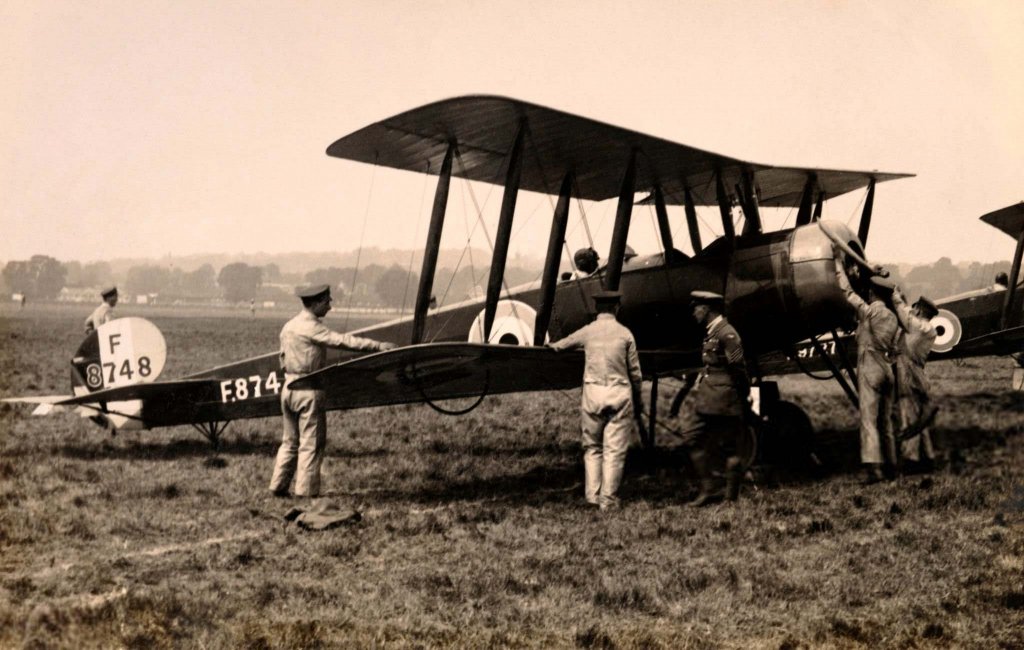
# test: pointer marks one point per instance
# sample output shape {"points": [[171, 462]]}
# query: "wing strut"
{"points": [[622, 215], [691, 220], [1011, 290], [803, 217], [751, 214], [865, 217], [819, 206], [555, 242], [433, 244], [504, 233], [724, 207], [663, 227]]}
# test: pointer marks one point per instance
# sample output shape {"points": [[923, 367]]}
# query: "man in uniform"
{"points": [[912, 389], [611, 392], [714, 411], [304, 342], [877, 337], [103, 313]]}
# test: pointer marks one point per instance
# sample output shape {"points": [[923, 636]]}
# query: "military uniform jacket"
{"points": [[611, 352], [724, 386], [915, 343], [304, 343], [877, 328], [919, 335], [102, 314]]}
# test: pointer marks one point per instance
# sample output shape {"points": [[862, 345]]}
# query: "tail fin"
{"points": [[121, 352]]}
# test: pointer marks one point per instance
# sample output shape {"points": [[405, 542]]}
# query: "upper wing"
{"points": [[438, 371], [1009, 219], [485, 127]]}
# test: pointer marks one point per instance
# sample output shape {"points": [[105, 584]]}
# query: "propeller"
{"points": [[860, 260]]}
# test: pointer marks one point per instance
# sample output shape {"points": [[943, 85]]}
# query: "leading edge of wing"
{"points": [[180, 389], [484, 128], [439, 371], [1009, 219]]}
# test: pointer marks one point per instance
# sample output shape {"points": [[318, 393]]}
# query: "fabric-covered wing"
{"points": [[1009, 219], [440, 371], [485, 127]]}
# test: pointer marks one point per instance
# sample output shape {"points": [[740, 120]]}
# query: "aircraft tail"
{"points": [[122, 352]]}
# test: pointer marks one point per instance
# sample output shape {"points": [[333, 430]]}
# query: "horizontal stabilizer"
{"points": [[36, 399], [187, 390], [484, 129], [439, 371]]}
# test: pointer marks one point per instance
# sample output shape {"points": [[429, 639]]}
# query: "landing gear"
{"points": [[211, 431], [779, 433]]}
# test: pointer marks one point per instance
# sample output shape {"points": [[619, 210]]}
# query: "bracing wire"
{"points": [[416, 232], [657, 229], [362, 235], [788, 215], [701, 194], [856, 209], [583, 213]]}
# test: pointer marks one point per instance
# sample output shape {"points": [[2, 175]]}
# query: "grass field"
{"points": [[473, 533]]}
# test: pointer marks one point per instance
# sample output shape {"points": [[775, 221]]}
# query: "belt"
{"points": [[606, 382]]}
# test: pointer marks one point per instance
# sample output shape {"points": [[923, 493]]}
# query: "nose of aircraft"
{"points": [[817, 300]]}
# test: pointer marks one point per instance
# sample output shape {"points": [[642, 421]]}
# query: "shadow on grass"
{"points": [[177, 449], [655, 477], [986, 401], [839, 450]]}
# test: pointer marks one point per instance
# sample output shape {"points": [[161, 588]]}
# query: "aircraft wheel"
{"points": [[787, 437], [747, 448]]}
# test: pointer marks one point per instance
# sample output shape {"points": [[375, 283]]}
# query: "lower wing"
{"points": [[438, 371]]}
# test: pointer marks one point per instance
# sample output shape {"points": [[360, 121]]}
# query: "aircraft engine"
{"points": [[513, 324], [785, 289], [948, 330]]}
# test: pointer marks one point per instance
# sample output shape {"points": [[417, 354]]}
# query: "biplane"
{"points": [[988, 321], [779, 285]]}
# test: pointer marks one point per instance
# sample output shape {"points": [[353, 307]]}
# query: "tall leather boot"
{"points": [[732, 478], [708, 495]]}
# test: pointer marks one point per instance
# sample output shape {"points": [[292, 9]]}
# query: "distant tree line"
{"points": [[40, 276], [943, 278], [393, 286]]}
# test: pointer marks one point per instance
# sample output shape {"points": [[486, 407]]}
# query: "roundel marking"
{"points": [[513, 324], [947, 329]]}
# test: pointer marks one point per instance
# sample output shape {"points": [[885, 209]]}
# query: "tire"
{"points": [[787, 437]]}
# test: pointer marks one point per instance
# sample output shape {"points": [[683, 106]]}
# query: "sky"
{"points": [[155, 129]]}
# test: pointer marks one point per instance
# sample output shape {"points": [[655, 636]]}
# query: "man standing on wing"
{"points": [[877, 336], [304, 343], [916, 409], [714, 411], [611, 392], [103, 313]]}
